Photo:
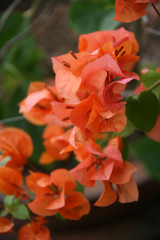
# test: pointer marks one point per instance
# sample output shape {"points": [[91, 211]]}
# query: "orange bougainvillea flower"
{"points": [[34, 231], [56, 194], [92, 41], [16, 144], [5, 225], [92, 117], [36, 107], [10, 182], [55, 139], [109, 168], [100, 168], [131, 10], [127, 192], [31, 180]]}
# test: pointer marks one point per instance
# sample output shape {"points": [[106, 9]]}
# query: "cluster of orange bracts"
{"points": [[83, 104]]}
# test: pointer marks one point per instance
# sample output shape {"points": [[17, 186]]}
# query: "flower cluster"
{"points": [[84, 104], [82, 111]]}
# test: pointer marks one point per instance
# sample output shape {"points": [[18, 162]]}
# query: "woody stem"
{"points": [[154, 85], [12, 119], [156, 9]]}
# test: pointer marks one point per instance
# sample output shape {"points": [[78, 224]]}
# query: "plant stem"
{"points": [[12, 119], [156, 9], [8, 12], [154, 85]]}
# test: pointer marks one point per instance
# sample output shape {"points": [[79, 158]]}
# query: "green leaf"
{"points": [[148, 152], [21, 212], [4, 161], [80, 187], [92, 15], [8, 201], [125, 151], [59, 217], [15, 23], [150, 79], [142, 110], [128, 130], [4, 213]]}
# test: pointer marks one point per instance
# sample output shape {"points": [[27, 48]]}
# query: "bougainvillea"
{"points": [[84, 111]]}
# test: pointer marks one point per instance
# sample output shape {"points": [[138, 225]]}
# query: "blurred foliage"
{"points": [[21, 65], [92, 15], [150, 79], [148, 152], [142, 110]]}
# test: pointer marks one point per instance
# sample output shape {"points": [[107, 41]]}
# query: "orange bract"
{"points": [[5, 225], [10, 181], [36, 107], [17, 144], [55, 139], [34, 231], [131, 10], [56, 194], [108, 167]]}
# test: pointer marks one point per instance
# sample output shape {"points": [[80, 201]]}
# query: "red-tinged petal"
{"points": [[114, 124], [108, 197], [67, 84], [80, 114], [128, 77], [113, 152], [84, 171], [57, 202], [58, 61], [10, 181], [52, 130], [117, 142], [39, 206], [32, 179], [106, 63], [77, 212], [63, 179], [93, 147], [46, 158], [5, 225], [128, 192], [122, 174], [111, 99], [94, 81], [29, 232], [127, 62], [73, 200], [62, 111], [32, 99], [128, 11], [103, 172], [35, 86], [92, 41], [155, 131], [76, 139], [18, 139]]}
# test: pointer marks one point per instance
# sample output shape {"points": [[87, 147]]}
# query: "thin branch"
{"points": [[153, 31], [154, 85], [38, 21], [12, 119], [156, 9], [8, 12], [145, 24]]}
